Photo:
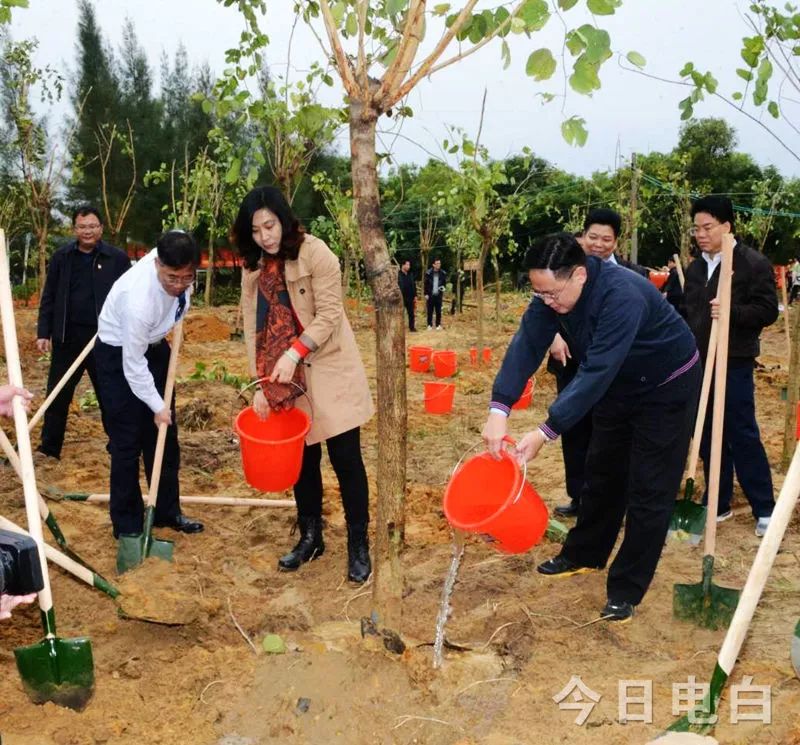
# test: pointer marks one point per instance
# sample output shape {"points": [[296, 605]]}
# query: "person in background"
{"points": [[434, 284], [639, 375], [794, 273], [408, 289], [754, 305], [298, 339], [79, 278], [672, 289], [132, 356]]}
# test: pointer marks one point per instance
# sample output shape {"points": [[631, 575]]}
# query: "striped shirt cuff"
{"points": [[496, 406], [549, 433]]}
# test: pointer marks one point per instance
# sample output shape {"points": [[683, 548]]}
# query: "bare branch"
{"points": [[342, 62], [362, 6], [406, 51]]}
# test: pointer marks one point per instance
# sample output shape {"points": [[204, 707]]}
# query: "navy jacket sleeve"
{"points": [[525, 353], [620, 314], [44, 326]]}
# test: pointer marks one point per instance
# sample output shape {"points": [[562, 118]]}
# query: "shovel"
{"points": [[706, 604], [54, 669], [132, 550], [44, 510], [702, 719], [58, 495], [61, 383]]}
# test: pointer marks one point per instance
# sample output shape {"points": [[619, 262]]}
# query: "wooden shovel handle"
{"points": [[679, 269], [155, 476], [21, 423], [720, 380], [61, 383]]}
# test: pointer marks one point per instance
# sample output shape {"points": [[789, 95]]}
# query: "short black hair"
{"points": [[86, 209], [718, 207], [271, 198], [177, 248], [405, 261], [603, 216], [558, 252]]}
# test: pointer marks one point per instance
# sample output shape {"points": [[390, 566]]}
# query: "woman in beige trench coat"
{"points": [[294, 318]]}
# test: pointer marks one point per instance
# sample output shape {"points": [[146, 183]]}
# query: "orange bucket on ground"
{"points": [[524, 400], [494, 497], [272, 448], [419, 358], [487, 354], [439, 397], [444, 363], [473, 355]]}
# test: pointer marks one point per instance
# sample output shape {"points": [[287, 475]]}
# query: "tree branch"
{"points": [[406, 51], [345, 68]]}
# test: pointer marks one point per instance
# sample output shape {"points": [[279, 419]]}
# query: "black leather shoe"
{"points": [[182, 524], [567, 510], [309, 547], [620, 611], [359, 566], [559, 566]]}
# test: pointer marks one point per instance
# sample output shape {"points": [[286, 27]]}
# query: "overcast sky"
{"points": [[630, 113]]}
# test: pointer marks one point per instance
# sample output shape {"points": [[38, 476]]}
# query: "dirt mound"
{"points": [[201, 327]]}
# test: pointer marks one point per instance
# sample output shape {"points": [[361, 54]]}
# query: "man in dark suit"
{"points": [[408, 289], [78, 279]]}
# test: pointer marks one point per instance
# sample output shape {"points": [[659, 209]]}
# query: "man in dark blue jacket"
{"points": [[639, 372], [78, 279]]}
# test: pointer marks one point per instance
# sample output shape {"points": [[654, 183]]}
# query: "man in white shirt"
{"points": [[132, 359]]}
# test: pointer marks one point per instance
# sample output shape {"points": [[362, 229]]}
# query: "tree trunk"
{"points": [[346, 253], [792, 395], [210, 270], [41, 240], [479, 293], [391, 370], [496, 264]]}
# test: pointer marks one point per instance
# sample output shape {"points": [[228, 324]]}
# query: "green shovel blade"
{"points": [[57, 670], [702, 719], [132, 551], [705, 604], [688, 519]]}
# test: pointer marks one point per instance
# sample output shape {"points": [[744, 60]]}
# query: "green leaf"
{"points": [[598, 44], [567, 4], [584, 78], [773, 109], [441, 9], [574, 131], [541, 65], [337, 11], [393, 7], [687, 108], [505, 54], [232, 176], [737, 96], [535, 14], [710, 83], [351, 24], [603, 7], [744, 74], [636, 59], [686, 70], [273, 644]]}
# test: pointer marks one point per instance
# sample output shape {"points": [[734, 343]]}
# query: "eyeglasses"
{"points": [[703, 229], [177, 279], [552, 296]]}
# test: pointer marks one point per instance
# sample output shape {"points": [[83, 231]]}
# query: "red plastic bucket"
{"points": [[419, 358], [487, 354], [439, 397], [272, 448], [473, 356], [493, 497], [444, 363], [524, 400]]}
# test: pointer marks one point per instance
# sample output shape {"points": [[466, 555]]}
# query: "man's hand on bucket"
{"points": [[530, 445]]}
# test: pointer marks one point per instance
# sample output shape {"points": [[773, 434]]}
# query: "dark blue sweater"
{"points": [[626, 338]]}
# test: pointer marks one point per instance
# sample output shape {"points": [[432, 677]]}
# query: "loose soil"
{"points": [[515, 639]]}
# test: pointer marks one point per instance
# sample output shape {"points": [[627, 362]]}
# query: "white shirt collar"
{"points": [[611, 259]]}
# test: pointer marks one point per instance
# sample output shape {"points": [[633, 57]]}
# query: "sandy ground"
{"points": [[515, 638]]}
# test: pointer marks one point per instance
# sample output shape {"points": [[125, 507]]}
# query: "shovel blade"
{"points": [[689, 520], [131, 551], [796, 650], [58, 670], [706, 605]]}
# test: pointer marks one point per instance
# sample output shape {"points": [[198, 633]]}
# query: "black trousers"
{"points": [[742, 449], [409, 306], [133, 433], [434, 303], [574, 445], [62, 355], [344, 450], [634, 468]]}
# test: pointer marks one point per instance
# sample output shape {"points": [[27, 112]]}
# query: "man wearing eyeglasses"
{"points": [[132, 361], [754, 305], [79, 278], [639, 375]]}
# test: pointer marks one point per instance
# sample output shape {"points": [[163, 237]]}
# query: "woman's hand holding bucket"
{"points": [[260, 405]]}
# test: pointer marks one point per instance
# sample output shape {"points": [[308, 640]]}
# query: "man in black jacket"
{"points": [[78, 279], [408, 289], [435, 281], [754, 305], [639, 374]]}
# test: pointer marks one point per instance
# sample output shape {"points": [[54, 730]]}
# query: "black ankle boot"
{"points": [[309, 547], [359, 566]]}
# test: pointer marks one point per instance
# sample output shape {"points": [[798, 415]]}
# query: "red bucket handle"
{"points": [[256, 382], [444, 389]]}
